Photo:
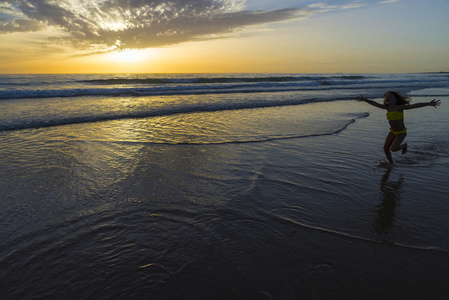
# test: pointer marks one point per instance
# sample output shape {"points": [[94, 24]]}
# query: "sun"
{"points": [[120, 61], [128, 56]]}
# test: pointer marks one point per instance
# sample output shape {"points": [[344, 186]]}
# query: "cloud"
{"points": [[136, 24], [19, 25], [324, 7], [389, 1]]}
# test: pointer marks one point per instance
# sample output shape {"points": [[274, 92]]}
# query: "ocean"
{"points": [[221, 186]]}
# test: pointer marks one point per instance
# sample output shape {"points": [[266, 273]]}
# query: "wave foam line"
{"points": [[267, 139], [249, 141], [360, 238], [35, 124]]}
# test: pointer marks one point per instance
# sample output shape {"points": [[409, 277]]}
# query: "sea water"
{"points": [[157, 186]]}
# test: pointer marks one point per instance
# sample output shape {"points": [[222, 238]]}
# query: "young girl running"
{"points": [[395, 104]]}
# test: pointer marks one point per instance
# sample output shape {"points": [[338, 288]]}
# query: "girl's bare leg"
{"points": [[387, 145], [404, 148], [396, 145]]}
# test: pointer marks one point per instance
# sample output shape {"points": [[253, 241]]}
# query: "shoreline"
{"points": [[98, 211]]}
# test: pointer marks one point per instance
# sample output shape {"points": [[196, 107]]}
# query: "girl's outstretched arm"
{"points": [[373, 103], [433, 103]]}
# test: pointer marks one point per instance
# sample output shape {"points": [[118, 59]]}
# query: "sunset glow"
{"points": [[223, 36], [128, 56]]}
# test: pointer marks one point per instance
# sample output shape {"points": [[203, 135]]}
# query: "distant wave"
{"points": [[175, 91], [169, 91], [187, 85], [69, 86], [119, 81], [224, 85]]}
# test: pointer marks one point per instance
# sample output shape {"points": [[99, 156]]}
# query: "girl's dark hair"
{"points": [[401, 100]]}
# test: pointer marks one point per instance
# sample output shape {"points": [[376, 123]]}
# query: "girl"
{"points": [[395, 104]]}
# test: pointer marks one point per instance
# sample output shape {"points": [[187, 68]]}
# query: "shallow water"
{"points": [[276, 202]]}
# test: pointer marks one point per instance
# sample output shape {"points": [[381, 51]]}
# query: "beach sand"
{"points": [[119, 209]]}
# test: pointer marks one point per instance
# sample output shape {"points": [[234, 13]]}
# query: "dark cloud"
{"points": [[19, 25], [138, 23]]}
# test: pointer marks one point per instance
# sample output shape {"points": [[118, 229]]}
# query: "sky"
{"points": [[223, 36]]}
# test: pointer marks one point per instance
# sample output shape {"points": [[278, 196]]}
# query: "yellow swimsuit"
{"points": [[393, 116]]}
